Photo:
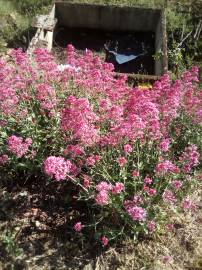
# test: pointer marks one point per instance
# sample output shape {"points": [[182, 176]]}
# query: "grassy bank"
{"points": [[15, 22]]}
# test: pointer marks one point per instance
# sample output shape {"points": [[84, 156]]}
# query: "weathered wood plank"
{"points": [[45, 22]]}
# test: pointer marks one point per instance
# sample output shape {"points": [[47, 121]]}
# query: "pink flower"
{"points": [[75, 150], [103, 186], [79, 119], [186, 168], [46, 95], [3, 159], [168, 196], [78, 227], [177, 184], [91, 161], [166, 166], [118, 188], [97, 158], [135, 173], [128, 148], [148, 181], [167, 259], [151, 226], [57, 167], [137, 213], [102, 198], [105, 104], [122, 161], [104, 241], [190, 158], [170, 227], [164, 145], [150, 191], [74, 170], [187, 204], [17, 146], [137, 200], [87, 181]]}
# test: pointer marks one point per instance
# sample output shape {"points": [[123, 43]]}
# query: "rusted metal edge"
{"points": [[140, 77]]}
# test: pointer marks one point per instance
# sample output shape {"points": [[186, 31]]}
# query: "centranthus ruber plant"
{"points": [[128, 153]]}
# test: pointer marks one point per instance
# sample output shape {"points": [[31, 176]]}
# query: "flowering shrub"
{"points": [[128, 150]]}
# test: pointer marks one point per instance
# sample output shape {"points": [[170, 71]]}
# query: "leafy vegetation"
{"points": [[15, 20], [124, 152], [32, 7]]}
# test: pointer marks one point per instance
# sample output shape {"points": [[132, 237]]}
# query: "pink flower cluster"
{"points": [[46, 96], [78, 119], [166, 167], [74, 150], [164, 145], [189, 158], [46, 63], [169, 197], [118, 188], [192, 100], [78, 227], [148, 181], [17, 146], [104, 241], [136, 212], [151, 226], [57, 167], [135, 173], [103, 188], [188, 204], [128, 148], [19, 56], [3, 159], [8, 100], [87, 180], [91, 160], [122, 161], [102, 198], [150, 191], [138, 113], [177, 184]]}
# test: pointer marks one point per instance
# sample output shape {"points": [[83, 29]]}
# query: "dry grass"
{"points": [[145, 3], [183, 245]]}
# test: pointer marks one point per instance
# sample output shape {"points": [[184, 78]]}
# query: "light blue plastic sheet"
{"points": [[122, 58]]}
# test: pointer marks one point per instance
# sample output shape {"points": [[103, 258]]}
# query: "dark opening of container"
{"points": [[130, 52], [128, 37]]}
